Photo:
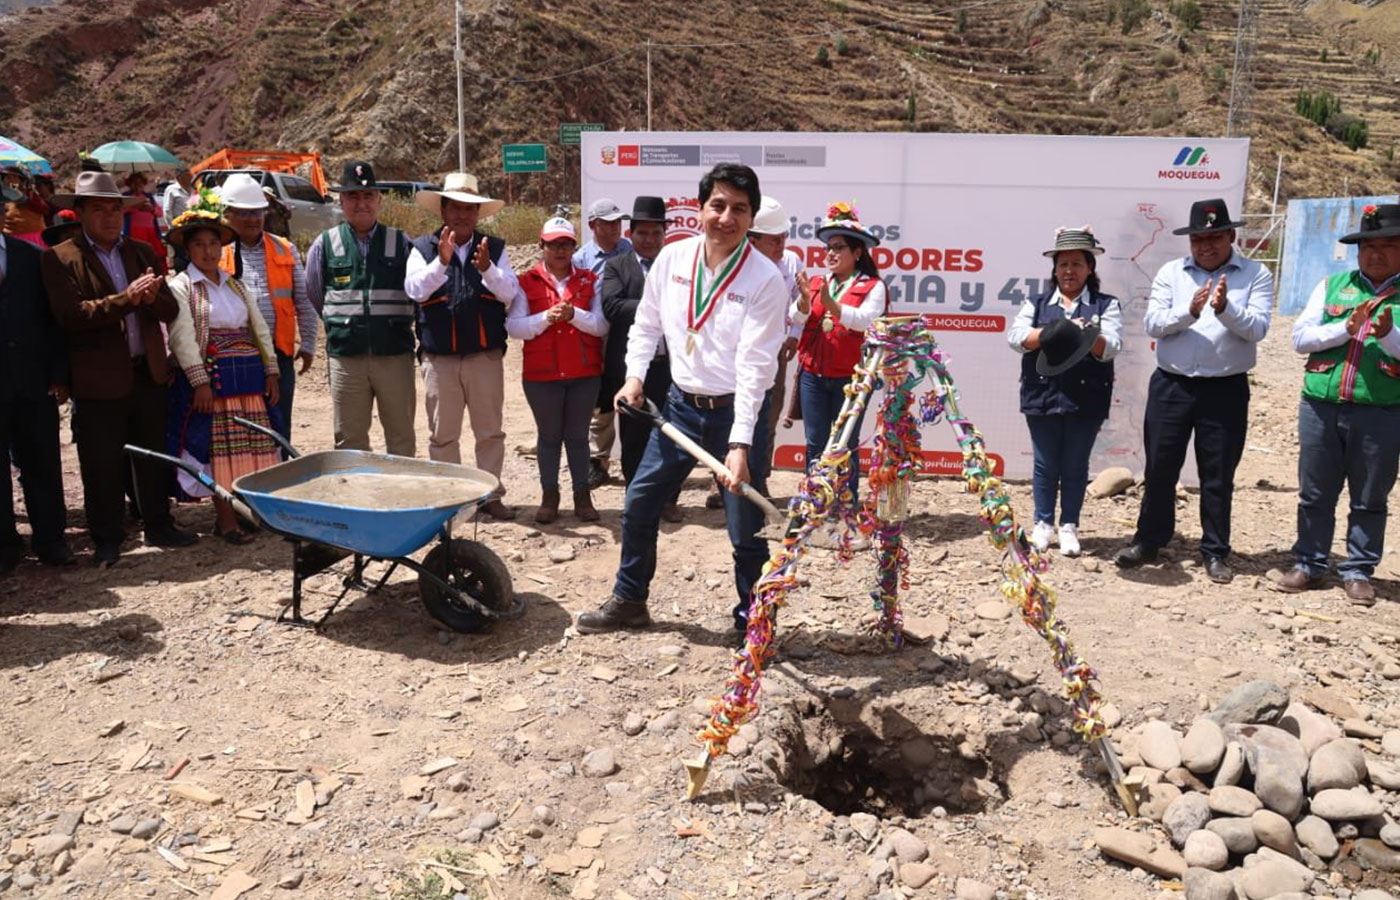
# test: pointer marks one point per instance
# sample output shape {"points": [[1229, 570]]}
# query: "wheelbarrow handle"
{"points": [[263, 429], [649, 413], [202, 477]]}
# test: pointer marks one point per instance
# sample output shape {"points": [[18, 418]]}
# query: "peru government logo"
{"points": [[1190, 164]]}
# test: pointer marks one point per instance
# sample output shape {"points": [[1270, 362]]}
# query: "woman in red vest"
{"points": [[841, 305], [559, 315]]}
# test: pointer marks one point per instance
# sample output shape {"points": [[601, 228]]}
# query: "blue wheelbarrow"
{"points": [[339, 503]]}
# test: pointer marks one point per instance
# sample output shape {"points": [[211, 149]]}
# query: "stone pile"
{"points": [[1264, 798]]}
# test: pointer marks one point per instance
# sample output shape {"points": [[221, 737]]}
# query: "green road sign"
{"points": [[569, 131], [523, 158]]}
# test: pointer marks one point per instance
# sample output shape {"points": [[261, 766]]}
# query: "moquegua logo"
{"points": [[1190, 164]]}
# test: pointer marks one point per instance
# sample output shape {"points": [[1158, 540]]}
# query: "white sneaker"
{"points": [[1069, 540], [1040, 536]]}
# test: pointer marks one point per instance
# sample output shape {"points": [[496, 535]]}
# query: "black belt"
{"points": [[708, 401]]}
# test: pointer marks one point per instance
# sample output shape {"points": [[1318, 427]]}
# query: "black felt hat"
{"points": [[1208, 216], [1063, 344], [357, 176], [649, 209], [1376, 222]]}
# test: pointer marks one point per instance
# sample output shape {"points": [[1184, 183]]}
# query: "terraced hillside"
{"points": [[354, 77]]}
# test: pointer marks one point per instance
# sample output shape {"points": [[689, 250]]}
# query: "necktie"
{"points": [[646, 266]]}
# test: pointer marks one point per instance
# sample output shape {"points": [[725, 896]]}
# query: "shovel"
{"points": [[648, 413]]}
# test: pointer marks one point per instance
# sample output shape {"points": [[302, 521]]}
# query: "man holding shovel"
{"points": [[720, 306]]}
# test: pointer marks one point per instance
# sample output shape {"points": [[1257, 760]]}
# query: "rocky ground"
{"points": [[163, 736]]}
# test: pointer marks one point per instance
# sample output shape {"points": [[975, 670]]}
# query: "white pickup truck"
{"points": [[312, 213]]}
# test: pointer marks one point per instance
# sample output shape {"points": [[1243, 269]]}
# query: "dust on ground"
{"points": [[355, 760]]}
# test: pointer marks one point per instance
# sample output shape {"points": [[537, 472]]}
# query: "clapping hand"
{"points": [[560, 312], [1218, 297], [804, 293], [143, 289], [447, 245], [1383, 323], [1359, 315], [483, 257], [1198, 299]]}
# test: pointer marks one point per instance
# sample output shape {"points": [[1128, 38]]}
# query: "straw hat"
{"points": [[462, 187]]}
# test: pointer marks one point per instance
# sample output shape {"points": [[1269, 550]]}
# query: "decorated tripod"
{"points": [[901, 354]]}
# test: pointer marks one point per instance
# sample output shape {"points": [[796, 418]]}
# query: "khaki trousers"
{"points": [[602, 432], [475, 384], [360, 383]]}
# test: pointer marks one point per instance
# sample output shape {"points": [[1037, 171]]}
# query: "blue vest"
{"points": [[462, 317], [1084, 390]]}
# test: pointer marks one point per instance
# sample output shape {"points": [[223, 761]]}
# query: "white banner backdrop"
{"points": [[963, 220]]}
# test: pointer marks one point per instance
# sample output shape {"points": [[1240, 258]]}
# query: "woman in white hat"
{"points": [[838, 308], [228, 366], [558, 313], [1067, 338]]}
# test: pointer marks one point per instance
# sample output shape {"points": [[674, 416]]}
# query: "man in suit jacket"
{"points": [[106, 295], [624, 276], [33, 381]]}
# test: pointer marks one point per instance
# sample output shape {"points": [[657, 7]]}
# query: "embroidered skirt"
{"points": [[215, 443]]}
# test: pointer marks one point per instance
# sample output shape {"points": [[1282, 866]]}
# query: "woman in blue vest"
{"points": [[1067, 338], [558, 313]]}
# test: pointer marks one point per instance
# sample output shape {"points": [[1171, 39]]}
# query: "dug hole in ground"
{"points": [[385, 756]]}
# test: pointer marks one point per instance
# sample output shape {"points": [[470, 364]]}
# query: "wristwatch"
{"points": [[738, 445]]}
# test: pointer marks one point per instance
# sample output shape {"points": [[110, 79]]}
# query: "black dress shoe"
{"points": [[60, 556], [597, 475], [1134, 555], [614, 615], [9, 560], [1218, 570], [170, 536], [104, 555]]}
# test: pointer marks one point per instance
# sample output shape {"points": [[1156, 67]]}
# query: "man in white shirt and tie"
{"points": [[721, 308]]}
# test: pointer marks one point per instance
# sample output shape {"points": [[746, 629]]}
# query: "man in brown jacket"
{"points": [[109, 300]]}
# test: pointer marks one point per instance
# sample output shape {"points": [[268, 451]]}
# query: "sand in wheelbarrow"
{"points": [[373, 490]]}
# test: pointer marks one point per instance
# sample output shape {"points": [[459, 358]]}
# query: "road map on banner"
{"points": [[962, 220]]}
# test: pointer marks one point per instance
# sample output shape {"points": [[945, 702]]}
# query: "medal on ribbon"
{"points": [[829, 300], [702, 301]]}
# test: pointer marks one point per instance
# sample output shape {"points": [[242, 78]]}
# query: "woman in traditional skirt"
{"points": [[227, 366]]}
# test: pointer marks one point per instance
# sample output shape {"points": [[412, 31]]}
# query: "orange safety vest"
{"points": [[280, 263]]}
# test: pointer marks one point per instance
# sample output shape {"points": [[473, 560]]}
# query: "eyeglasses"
{"points": [[837, 248]]}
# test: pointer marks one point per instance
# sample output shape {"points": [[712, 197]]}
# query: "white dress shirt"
{"points": [[1110, 323], [422, 276], [522, 325], [737, 350], [1211, 345], [226, 309], [1310, 335]]}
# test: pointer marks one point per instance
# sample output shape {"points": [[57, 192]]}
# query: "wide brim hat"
{"points": [[462, 187], [649, 209], [61, 231], [190, 221], [94, 186], [1376, 222], [1075, 239], [1069, 342], [10, 195], [242, 191], [357, 175], [842, 218], [1208, 216]]}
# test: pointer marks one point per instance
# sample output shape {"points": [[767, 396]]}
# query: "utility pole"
{"points": [[461, 112], [1237, 120], [648, 84]]}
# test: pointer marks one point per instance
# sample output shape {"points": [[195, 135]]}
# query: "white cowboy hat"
{"points": [[241, 191], [461, 187], [95, 186], [770, 218]]}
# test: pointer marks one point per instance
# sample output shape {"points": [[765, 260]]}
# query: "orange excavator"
{"points": [[267, 160]]}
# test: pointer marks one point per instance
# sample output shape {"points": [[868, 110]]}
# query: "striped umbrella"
{"points": [[134, 156], [12, 154]]}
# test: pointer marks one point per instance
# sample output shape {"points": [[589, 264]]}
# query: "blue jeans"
{"points": [[822, 399], [1062, 445], [1358, 444], [662, 470]]}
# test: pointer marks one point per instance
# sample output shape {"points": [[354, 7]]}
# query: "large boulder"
{"points": [[1252, 702]]}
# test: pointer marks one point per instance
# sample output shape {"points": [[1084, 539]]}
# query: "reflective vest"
{"points": [[561, 351], [834, 353], [366, 310], [1357, 371], [277, 254]]}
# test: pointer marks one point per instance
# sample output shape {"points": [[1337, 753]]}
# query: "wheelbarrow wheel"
{"points": [[478, 573]]}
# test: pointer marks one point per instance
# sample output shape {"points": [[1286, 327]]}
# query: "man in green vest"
{"points": [[1349, 418], [354, 278]]}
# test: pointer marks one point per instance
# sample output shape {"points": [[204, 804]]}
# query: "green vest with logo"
{"points": [[366, 310], [1351, 373]]}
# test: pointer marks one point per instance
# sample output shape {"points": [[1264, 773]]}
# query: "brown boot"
{"points": [[549, 507], [583, 507]]}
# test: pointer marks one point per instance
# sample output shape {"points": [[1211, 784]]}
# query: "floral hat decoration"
{"points": [[842, 218], [205, 210], [1377, 221]]}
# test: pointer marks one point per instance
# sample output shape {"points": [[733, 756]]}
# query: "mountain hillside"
{"points": [[376, 79]]}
